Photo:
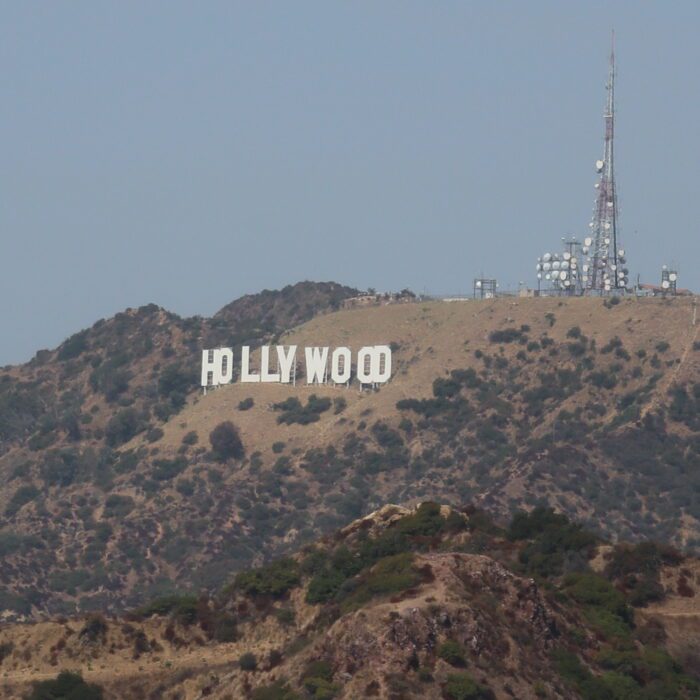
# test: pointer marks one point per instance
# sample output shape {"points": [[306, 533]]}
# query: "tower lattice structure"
{"points": [[605, 270]]}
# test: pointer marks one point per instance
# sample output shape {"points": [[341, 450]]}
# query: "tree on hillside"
{"points": [[226, 442], [66, 686]]}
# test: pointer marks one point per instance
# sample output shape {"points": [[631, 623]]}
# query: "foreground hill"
{"points": [[585, 404], [433, 602]]}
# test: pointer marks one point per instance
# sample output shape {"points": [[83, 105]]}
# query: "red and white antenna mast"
{"points": [[606, 270]]}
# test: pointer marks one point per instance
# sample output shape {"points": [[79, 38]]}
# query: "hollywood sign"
{"points": [[279, 365]]}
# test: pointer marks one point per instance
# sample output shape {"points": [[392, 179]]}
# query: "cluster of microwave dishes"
{"points": [[668, 278], [561, 269], [569, 271]]}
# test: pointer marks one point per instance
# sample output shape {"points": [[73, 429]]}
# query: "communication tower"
{"points": [[485, 288], [669, 280], [605, 270]]}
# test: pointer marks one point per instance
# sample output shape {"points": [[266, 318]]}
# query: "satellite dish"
{"points": [[562, 274], [621, 253], [590, 225], [478, 283], [607, 225], [548, 276], [599, 165], [588, 241], [555, 265], [564, 265], [610, 204], [665, 284], [597, 185], [673, 277], [567, 256], [664, 267], [607, 240], [547, 257], [585, 268], [539, 275], [546, 266]]}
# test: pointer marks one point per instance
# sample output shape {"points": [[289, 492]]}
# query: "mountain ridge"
{"points": [[507, 403]]}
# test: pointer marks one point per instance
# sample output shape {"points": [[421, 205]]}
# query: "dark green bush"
{"points": [[246, 404], [292, 410], [461, 686], [166, 469], [22, 496], [123, 426], [182, 608], [117, 506], [226, 442], [191, 438], [452, 652], [66, 686], [248, 662], [507, 335], [274, 580], [279, 690], [74, 346]]}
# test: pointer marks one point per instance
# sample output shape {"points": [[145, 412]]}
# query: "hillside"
{"points": [[431, 602], [114, 493]]}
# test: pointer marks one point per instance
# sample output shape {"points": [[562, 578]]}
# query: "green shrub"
{"points": [[246, 404], [123, 426], [452, 652], [274, 580], [191, 438], [605, 606], [279, 690], [248, 662], [183, 608], [22, 496], [74, 346], [225, 629], [174, 383], [154, 434], [292, 410], [324, 586], [117, 506], [507, 335], [6, 648], [66, 686], [226, 442], [94, 629], [461, 686], [392, 574], [166, 469], [285, 616]]}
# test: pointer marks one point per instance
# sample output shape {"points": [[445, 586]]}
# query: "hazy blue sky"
{"points": [[187, 153]]}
